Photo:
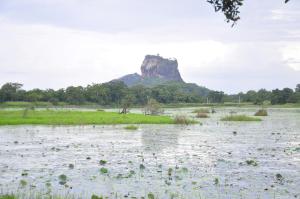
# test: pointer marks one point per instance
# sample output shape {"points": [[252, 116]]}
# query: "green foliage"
{"points": [[51, 117], [230, 8], [116, 93], [131, 127], [102, 162], [216, 97], [240, 118], [151, 196], [104, 170], [96, 197]]}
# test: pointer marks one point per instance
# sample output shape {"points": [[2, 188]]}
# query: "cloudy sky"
{"points": [[55, 43]]}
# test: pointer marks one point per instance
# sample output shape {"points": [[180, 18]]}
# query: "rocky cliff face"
{"points": [[158, 67]]}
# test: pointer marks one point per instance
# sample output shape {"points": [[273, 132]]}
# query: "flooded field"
{"points": [[213, 160]]}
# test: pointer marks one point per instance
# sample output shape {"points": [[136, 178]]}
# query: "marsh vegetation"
{"points": [[213, 160]]}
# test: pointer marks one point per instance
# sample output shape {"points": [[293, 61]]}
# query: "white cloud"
{"points": [[291, 55], [54, 55]]}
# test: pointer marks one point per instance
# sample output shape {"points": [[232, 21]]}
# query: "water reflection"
{"points": [[159, 139]]}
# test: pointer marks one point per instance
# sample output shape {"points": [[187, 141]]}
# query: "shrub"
{"points": [[261, 112], [202, 115], [240, 118], [182, 119], [153, 108]]}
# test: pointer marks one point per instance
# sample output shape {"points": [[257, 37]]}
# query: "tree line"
{"points": [[116, 93]]}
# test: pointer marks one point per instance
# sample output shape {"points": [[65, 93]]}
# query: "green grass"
{"points": [[8, 197], [240, 118], [131, 127], [35, 196], [62, 117]]}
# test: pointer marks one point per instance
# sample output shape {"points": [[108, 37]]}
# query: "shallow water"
{"points": [[196, 161]]}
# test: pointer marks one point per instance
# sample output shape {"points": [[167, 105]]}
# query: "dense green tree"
{"points": [[297, 88], [35, 95], [10, 91], [216, 96], [75, 95], [97, 93], [118, 94]]}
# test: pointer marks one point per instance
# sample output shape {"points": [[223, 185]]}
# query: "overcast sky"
{"points": [[55, 43]]}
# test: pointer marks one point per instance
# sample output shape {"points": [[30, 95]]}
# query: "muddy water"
{"points": [[170, 161]]}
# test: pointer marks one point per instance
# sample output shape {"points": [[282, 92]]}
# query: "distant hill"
{"points": [[157, 70]]}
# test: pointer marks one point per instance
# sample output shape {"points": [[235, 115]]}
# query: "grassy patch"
{"points": [[261, 112], [131, 127], [240, 118], [8, 197], [62, 117], [182, 119]]}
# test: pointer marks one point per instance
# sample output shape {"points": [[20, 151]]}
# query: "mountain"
{"points": [[158, 67], [156, 70]]}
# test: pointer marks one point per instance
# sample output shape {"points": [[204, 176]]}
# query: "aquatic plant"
{"points": [[23, 183], [24, 173], [261, 112], [96, 197], [71, 166], [150, 196], [240, 118], [170, 170], [216, 181], [104, 170], [102, 162], [62, 179], [131, 127], [251, 162], [142, 167], [279, 177]]}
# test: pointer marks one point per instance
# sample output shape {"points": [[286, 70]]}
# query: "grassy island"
{"points": [[240, 118], [63, 117]]}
